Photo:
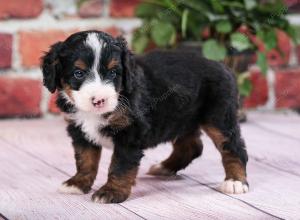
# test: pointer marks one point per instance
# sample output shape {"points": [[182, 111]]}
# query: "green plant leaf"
{"points": [[140, 42], [262, 62], [213, 50], [184, 22], [250, 4], [294, 33], [244, 84], [200, 6], [233, 4], [240, 41], [146, 10], [163, 33], [269, 37], [217, 6], [224, 26]]}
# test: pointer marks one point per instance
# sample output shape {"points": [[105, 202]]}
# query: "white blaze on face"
{"points": [[95, 87]]}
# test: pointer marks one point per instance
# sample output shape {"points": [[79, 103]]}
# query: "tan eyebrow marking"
{"points": [[112, 64], [80, 64]]}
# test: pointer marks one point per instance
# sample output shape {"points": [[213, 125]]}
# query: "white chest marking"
{"points": [[91, 125]]}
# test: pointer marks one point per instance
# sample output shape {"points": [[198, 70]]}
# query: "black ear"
{"points": [[51, 67], [128, 63]]}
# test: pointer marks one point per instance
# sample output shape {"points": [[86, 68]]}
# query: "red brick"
{"points": [[52, 104], [287, 88], [20, 8], [291, 2], [114, 31], [298, 53], [32, 44], [20, 97], [259, 94], [124, 8], [5, 50], [276, 58], [293, 6], [91, 8]]}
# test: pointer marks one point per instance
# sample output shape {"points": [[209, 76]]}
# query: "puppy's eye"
{"points": [[113, 74], [78, 74]]}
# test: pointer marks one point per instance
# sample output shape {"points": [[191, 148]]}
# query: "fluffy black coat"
{"points": [[169, 94]]}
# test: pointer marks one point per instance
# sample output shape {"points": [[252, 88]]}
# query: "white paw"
{"points": [[101, 200], [233, 187], [160, 170], [64, 188]]}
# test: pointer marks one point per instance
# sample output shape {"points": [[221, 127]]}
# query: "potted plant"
{"points": [[235, 32]]}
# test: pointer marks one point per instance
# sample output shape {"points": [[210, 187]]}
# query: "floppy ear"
{"points": [[51, 67], [128, 62]]}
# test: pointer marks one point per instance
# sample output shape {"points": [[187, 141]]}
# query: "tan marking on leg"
{"points": [[185, 149], [233, 166], [118, 187], [216, 136], [235, 180], [124, 182], [87, 162]]}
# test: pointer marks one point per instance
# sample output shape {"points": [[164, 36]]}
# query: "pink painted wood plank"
{"points": [[273, 149], [284, 124], [28, 191], [271, 190], [152, 198]]}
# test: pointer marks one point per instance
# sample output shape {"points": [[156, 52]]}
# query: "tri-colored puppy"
{"points": [[113, 98]]}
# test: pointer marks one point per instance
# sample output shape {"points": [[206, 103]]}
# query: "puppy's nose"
{"points": [[98, 102]]}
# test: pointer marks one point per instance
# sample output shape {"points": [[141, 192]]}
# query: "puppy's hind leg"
{"points": [[185, 150], [234, 157]]}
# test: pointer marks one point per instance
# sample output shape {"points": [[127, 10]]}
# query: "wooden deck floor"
{"points": [[36, 156]]}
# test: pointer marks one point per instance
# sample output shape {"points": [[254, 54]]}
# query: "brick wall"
{"points": [[28, 27]]}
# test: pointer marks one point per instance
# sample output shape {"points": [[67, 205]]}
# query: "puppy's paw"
{"points": [[109, 195], [69, 189], [234, 187], [160, 170]]}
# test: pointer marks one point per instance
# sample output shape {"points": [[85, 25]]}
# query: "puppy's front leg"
{"points": [[87, 160], [122, 173]]}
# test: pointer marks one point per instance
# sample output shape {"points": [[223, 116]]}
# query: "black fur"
{"points": [[51, 67], [171, 93]]}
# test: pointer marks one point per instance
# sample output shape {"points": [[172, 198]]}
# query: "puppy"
{"points": [[114, 98]]}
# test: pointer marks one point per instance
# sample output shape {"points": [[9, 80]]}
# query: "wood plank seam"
{"points": [[33, 155], [246, 203], [3, 217], [190, 178], [121, 205], [269, 130], [130, 210], [57, 169], [258, 160]]}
